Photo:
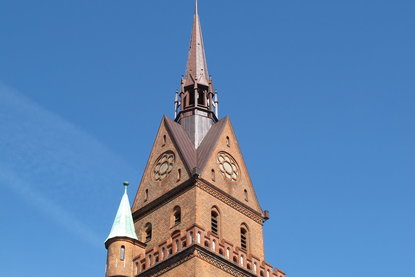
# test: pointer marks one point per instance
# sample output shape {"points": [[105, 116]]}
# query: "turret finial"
{"points": [[125, 183]]}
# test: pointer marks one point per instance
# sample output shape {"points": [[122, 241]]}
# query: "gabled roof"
{"points": [[123, 225]]}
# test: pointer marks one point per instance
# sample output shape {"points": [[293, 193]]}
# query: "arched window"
{"points": [[228, 142], [213, 245], [198, 237], [214, 221], [227, 252], [212, 175], [244, 237], [122, 253], [148, 232], [191, 237], [136, 268], [177, 215]]}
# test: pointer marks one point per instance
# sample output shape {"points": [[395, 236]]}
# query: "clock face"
{"points": [[228, 166], [163, 166]]}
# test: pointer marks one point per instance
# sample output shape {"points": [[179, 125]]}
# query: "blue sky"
{"points": [[320, 93]]}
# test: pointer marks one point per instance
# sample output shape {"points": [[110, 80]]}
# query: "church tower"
{"points": [[196, 213]]}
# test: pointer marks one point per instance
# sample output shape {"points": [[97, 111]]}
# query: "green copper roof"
{"points": [[123, 225]]}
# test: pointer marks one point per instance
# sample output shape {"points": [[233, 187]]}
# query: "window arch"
{"points": [[177, 215], [148, 231], [244, 236], [215, 220]]}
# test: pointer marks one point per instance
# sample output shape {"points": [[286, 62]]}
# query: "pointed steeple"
{"points": [[196, 105], [123, 225], [196, 69]]}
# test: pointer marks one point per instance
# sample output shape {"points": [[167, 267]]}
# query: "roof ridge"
{"points": [[209, 141], [183, 143]]}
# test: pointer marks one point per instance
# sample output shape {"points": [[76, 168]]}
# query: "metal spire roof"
{"points": [[123, 225], [196, 69]]}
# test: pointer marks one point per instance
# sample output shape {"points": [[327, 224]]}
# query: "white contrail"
{"points": [[48, 160]]}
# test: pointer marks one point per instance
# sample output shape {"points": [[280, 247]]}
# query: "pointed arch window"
{"points": [[148, 230], [215, 221]]}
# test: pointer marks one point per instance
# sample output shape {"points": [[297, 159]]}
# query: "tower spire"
{"points": [[196, 69], [197, 103]]}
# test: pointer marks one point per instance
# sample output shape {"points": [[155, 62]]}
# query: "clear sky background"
{"points": [[320, 93]]}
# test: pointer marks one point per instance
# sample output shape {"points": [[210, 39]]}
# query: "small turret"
{"points": [[122, 243]]}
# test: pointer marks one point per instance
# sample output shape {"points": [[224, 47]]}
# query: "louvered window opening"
{"points": [[243, 238], [214, 223]]}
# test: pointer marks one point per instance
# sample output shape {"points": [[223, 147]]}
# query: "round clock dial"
{"points": [[163, 166], [228, 166]]}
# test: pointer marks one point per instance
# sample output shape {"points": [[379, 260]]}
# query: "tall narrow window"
{"points": [[164, 140], [179, 174], [146, 195], [212, 175], [148, 232], [246, 194], [198, 237], [228, 142], [177, 216], [122, 253], [214, 221], [244, 237]]}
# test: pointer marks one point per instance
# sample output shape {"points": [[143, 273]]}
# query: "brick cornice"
{"points": [[209, 188]]}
